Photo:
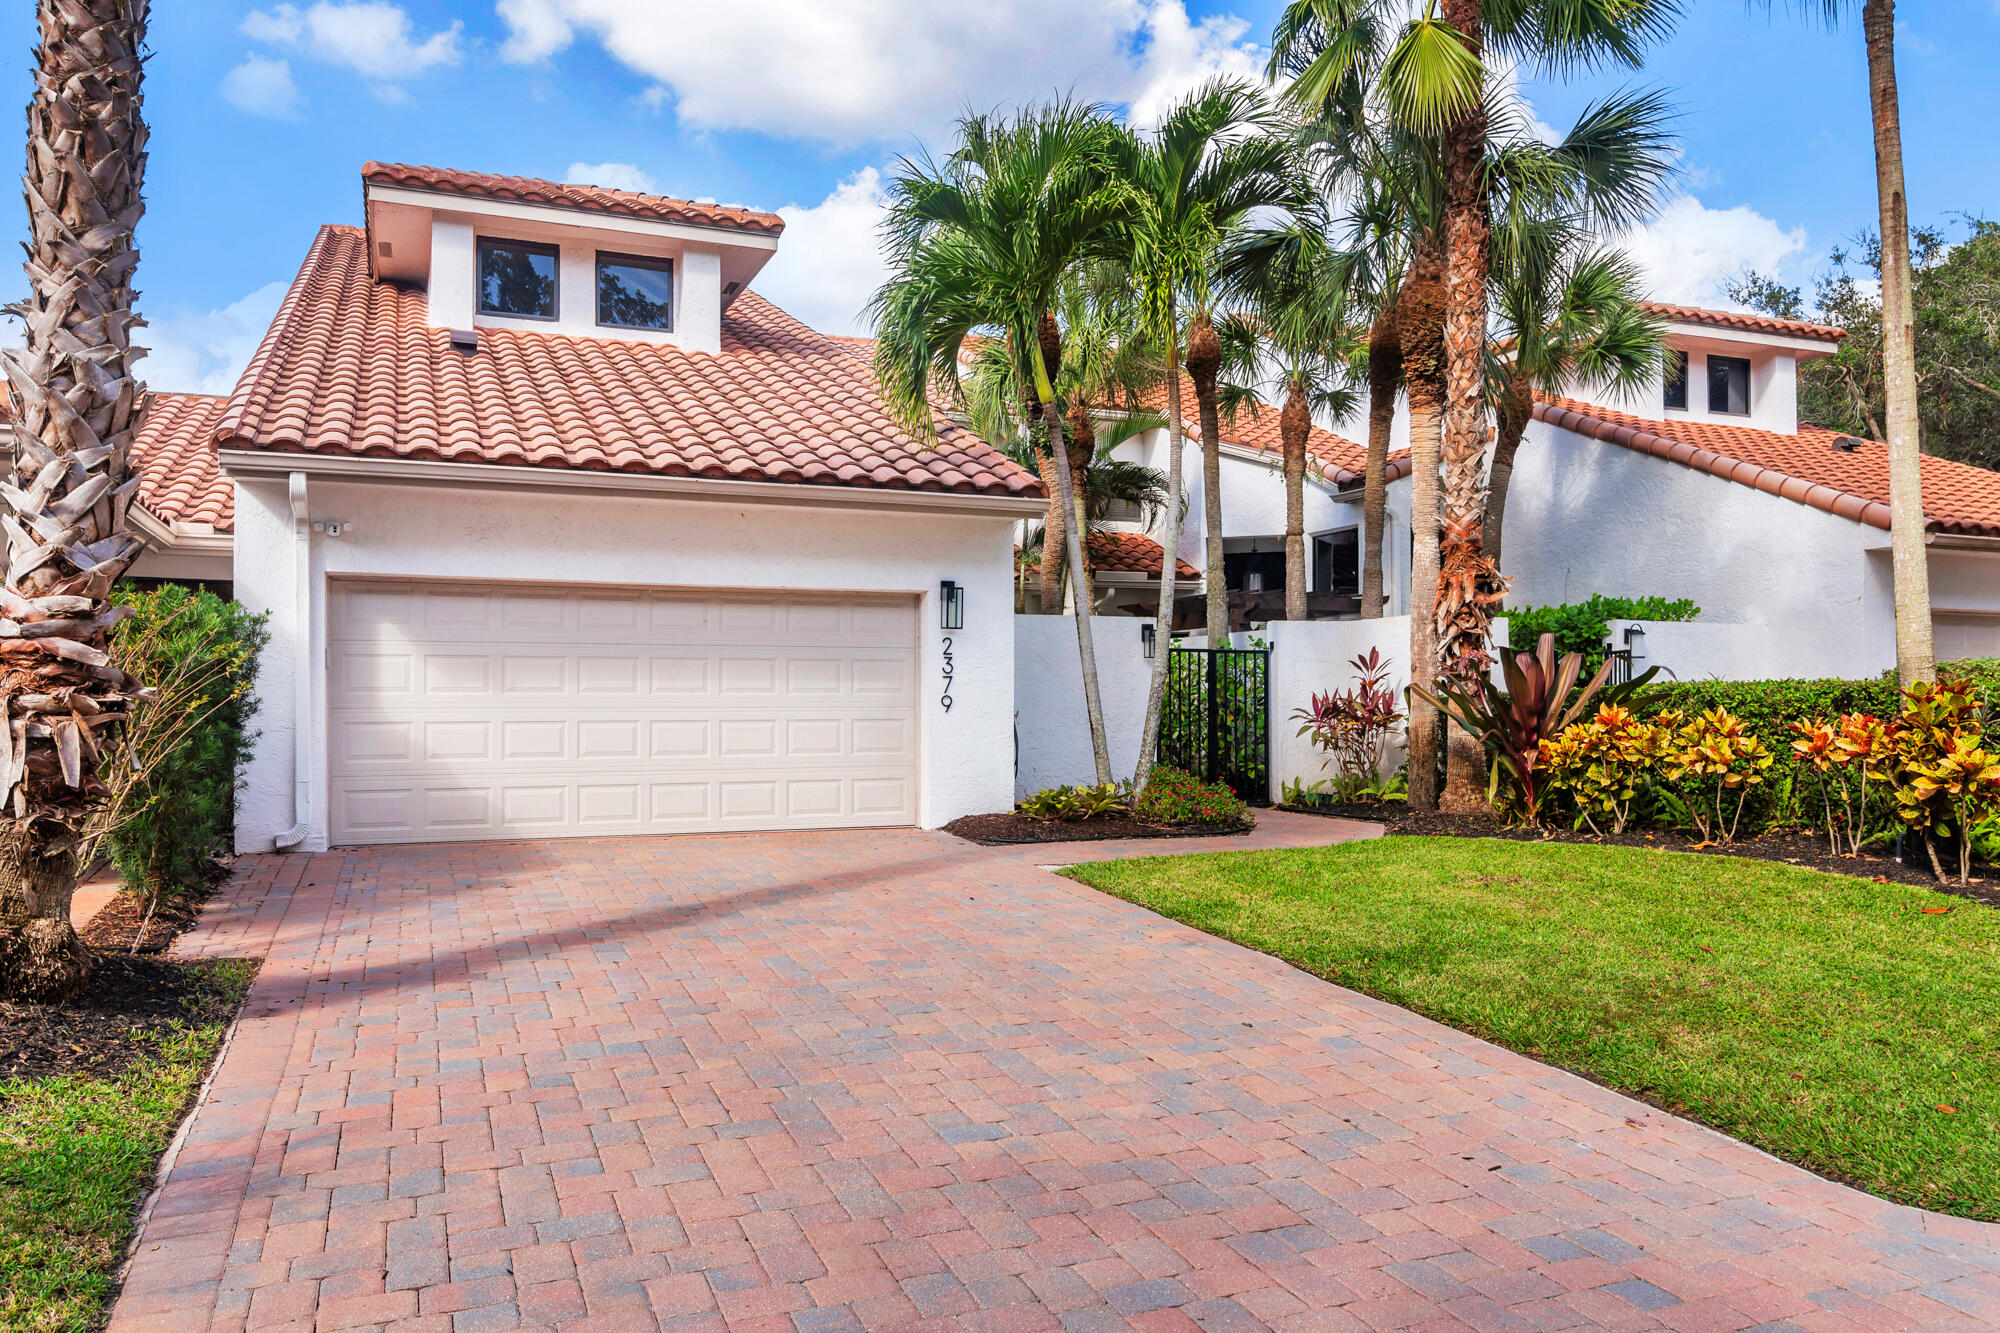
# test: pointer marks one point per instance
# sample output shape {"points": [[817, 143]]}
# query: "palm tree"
{"points": [[1210, 165], [77, 406], [1916, 654], [1100, 362], [981, 242], [1432, 82], [1298, 325], [1568, 312]]}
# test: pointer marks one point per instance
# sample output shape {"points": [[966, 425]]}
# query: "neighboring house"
{"points": [[1700, 484], [1703, 484], [564, 531]]}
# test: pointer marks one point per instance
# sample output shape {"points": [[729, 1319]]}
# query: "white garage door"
{"points": [[461, 711], [1957, 637]]}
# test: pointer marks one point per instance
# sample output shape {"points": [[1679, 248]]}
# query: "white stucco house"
{"points": [[564, 531], [1701, 484]]}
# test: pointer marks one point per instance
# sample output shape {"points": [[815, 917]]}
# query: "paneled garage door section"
{"points": [[475, 711]]}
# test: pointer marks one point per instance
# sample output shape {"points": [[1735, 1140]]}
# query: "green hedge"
{"points": [[1582, 627], [171, 817]]}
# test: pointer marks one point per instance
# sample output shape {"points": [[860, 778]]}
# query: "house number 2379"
{"points": [[945, 698]]}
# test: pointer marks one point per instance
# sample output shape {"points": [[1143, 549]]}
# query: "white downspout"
{"points": [[301, 669]]}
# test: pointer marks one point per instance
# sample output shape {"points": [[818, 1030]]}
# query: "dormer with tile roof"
{"points": [[1723, 367], [515, 253]]}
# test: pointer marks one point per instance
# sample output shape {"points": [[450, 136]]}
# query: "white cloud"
{"points": [[1689, 252], [851, 71], [830, 262], [204, 351], [374, 39], [610, 175], [262, 87], [1180, 55]]}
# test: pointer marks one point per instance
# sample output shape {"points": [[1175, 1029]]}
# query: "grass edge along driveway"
{"points": [[1847, 1026], [78, 1150]]}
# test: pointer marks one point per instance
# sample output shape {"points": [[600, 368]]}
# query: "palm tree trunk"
{"points": [[1204, 363], [1054, 525], [1082, 449], [1915, 652], [1385, 373], [1294, 428], [1170, 545], [1464, 620], [1420, 325], [76, 408], [1516, 410]]}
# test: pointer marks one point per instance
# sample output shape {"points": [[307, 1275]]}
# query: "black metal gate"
{"points": [[1216, 719]]}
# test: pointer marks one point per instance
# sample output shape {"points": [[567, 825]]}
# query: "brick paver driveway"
{"points": [[872, 1080]]}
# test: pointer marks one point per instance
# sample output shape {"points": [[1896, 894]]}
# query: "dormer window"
{"points": [[1729, 385], [517, 278], [1676, 379], [635, 292]]}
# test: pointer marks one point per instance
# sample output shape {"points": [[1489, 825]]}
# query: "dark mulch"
{"points": [[1379, 812], [1790, 848], [120, 920], [129, 1005], [1007, 829]]}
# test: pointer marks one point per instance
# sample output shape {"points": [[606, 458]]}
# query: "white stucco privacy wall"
{"points": [[1051, 726], [396, 530], [1588, 517], [1311, 657]]}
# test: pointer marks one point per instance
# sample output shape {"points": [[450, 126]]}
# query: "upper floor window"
{"points": [[517, 278], [634, 292], [1676, 379], [1729, 385]]}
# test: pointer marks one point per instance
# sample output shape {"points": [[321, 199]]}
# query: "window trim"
{"points": [[548, 248], [1360, 553], [1709, 364], [658, 263], [1667, 404]]}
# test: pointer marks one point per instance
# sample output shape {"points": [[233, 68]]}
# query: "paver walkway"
{"points": [[832, 1081]]}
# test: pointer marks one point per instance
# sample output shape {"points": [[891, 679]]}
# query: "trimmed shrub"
{"points": [[1582, 627], [174, 782], [1175, 797]]}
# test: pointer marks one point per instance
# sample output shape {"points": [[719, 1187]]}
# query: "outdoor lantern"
{"points": [[951, 605], [1635, 643], [1147, 637]]}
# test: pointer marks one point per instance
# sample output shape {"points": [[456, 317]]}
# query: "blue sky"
{"points": [[262, 114]]}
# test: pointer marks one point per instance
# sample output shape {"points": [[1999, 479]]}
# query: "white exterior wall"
{"points": [[1588, 517], [567, 541], [1051, 726], [1311, 657]]}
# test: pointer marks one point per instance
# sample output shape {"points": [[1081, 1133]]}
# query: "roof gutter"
{"points": [[301, 669], [578, 481]]}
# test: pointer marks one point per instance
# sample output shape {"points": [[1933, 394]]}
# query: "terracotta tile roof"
{"points": [[591, 198], [1334, 457], [180, 481], [1744, 322], [1806, 467], [175, 456], [1113, 552], [350, 366]]}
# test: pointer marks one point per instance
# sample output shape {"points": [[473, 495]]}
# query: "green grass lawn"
{"points": [[1829, 1020], [75, 1153]]}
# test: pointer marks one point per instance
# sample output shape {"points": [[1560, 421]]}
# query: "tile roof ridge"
{"points": [[584, 196], [1749, 320], [243, 415], [1571, 415]]}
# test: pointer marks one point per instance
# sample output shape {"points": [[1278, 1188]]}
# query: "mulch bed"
{"points": [[119, 921], [1790, 848], [1009, 829], [127, 1009], [1377, 812]]}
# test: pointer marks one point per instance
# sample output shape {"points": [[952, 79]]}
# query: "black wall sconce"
{"points": [[1148, 638], [951, 605]]}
